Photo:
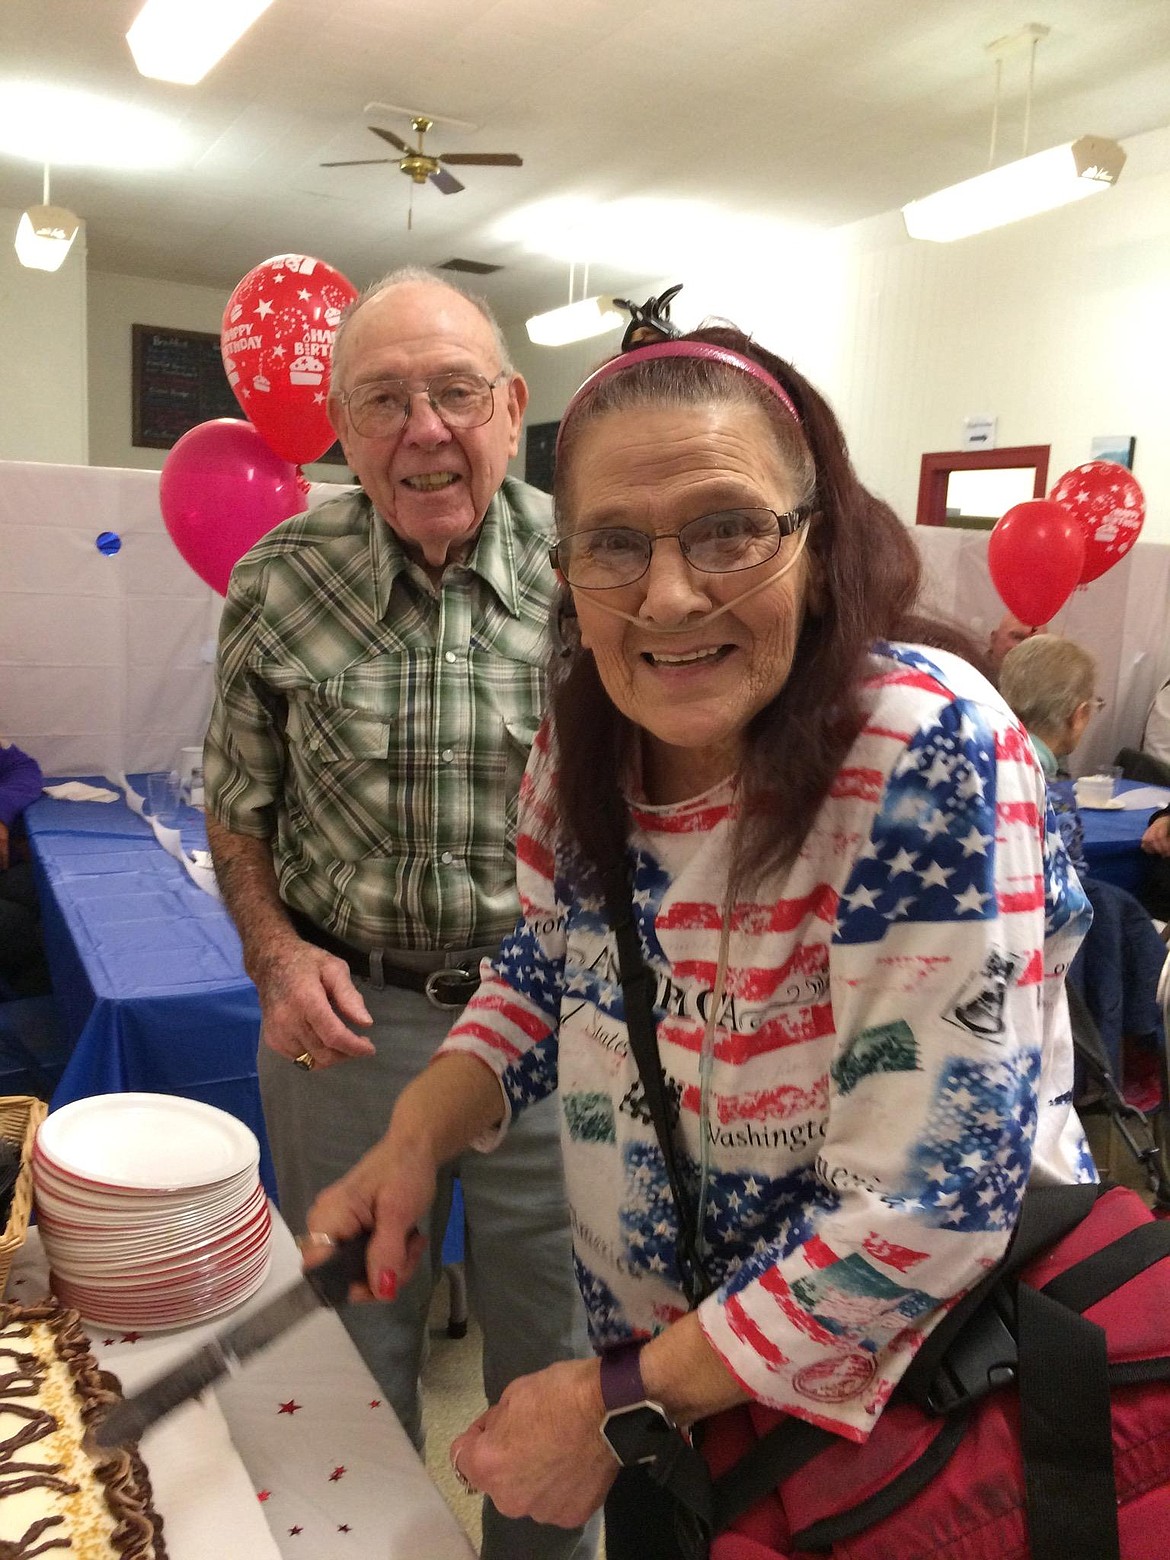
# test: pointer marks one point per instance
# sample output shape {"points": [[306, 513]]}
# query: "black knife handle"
{"points": [[345, 1265]]}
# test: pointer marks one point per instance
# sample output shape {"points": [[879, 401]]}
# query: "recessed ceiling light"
{"points": [[57, 125], [180, 40]]}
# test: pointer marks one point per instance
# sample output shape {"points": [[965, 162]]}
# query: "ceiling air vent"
{"points": [[470, 267]]}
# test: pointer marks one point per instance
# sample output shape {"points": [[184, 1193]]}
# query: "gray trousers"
{"points": [[518, 1249]]}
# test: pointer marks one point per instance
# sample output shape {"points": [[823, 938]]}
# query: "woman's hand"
{"points": [[539, 1452], [388, 1192]]}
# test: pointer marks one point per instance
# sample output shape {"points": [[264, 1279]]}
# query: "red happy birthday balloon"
{"points": [[277, 345], [1109, 506], [1035, 555]]}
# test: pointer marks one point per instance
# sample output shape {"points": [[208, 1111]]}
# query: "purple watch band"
{"points": [[621, 1376]]}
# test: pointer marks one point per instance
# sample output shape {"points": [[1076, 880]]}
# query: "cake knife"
{"points": [[327, 1284]]}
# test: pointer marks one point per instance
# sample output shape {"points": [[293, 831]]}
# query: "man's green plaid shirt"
{"points": [[376, 729]]}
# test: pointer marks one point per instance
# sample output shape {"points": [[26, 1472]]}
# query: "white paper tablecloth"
{"points": [[317, 1466]]}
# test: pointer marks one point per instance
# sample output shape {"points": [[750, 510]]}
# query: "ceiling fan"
{"points": [[420, 165]]}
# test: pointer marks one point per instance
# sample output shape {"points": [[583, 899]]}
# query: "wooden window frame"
{"points": [[937, 467]]}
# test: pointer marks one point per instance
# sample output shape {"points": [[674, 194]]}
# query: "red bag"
{"points": [[1035, 1470]]}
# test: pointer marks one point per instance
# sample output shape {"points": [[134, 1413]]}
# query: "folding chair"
{"points": [[1097, 1091]]}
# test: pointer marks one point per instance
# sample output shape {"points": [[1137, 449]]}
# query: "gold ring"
{"points": [[305, 1060], [461, 1478]]}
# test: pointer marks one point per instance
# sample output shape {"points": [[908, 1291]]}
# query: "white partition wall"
{"points": [[105, 662], [1122, 619]]}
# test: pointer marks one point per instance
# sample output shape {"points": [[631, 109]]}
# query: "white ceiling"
{"points": [[804, 111]]}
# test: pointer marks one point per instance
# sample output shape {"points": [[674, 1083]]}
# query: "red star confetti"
{"points": [[263, 1495], [293, 1531], [375, 1402], [131, 1337], [338, 1473], [344, 1527], [291, 1406], [106, 1342]]}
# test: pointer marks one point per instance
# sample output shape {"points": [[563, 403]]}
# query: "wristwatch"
{"points": [[635, 1428]]}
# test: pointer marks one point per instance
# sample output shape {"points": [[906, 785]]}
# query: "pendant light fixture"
{"points": [[45, 234], [1026, 187], [575, 321]]}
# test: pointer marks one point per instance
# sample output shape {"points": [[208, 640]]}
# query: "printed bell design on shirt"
{"points": [[978, 1006]]}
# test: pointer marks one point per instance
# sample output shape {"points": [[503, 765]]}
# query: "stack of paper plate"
{"points": [[150, 1209]]}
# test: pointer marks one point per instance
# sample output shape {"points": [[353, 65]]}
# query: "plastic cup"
{"points": [[1096, 790], [162, 795]]}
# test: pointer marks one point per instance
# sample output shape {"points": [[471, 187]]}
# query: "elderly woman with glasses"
{"points": [[824, 846]]}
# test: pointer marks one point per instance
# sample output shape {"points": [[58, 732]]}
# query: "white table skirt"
{"points": [[317, 1466]]}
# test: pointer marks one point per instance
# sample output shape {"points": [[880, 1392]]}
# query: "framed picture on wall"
{"points": [[1113, 446], [177, 383]]}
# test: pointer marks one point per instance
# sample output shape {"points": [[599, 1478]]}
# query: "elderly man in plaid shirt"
{"points": [[380, 678]]}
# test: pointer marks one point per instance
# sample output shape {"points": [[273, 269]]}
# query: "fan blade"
{"points": [[488, 159], [362, 162], [388, 135], [447, 182]]}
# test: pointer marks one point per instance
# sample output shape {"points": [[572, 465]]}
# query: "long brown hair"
{"points": [[869, 576]]}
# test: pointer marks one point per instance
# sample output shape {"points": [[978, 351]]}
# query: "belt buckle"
{"points": [[438, 979]]}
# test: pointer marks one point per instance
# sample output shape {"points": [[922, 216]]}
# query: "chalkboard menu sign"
{"points": [[540, 453], [178, 382]]}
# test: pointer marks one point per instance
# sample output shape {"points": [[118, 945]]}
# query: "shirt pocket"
{"points": [[339, 777]]}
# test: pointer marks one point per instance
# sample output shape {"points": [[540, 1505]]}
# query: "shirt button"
{"points": [[450, 658], [448, 755], [446, 858]]}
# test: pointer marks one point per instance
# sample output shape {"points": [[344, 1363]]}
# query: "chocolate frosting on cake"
{"points": [[33, 1341]]}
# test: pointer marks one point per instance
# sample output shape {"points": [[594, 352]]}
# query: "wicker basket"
{"points": [[20, 1116]]}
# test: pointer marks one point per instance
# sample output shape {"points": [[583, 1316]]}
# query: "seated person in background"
{"points": [[1006, 635], [1156, 736], [23, 972], [1051, 684]]}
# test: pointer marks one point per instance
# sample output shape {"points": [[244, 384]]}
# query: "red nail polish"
{"points": [[387, 1285]]}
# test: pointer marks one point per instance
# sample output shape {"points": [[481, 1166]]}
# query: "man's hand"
{"points": [[4, 861], [539, 1452], [305, 994], [1156, 839]]}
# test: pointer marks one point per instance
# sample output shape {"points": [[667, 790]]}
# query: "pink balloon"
{"points": [[221, 490], [277, 346], [1109, 505], [1035, 555]]}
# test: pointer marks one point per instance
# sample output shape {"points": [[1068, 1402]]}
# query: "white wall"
{"points": [[43, 414], [115, 304], [1060, 325]]}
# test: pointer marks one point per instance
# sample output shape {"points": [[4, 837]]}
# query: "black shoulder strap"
{"points": [[636, 992]]}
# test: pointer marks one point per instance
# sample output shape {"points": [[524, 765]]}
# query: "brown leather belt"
{"points": [[448, 986]]}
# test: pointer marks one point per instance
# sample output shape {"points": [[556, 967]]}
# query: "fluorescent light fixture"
{"points": [[180, 40], [50, 124], [574, 322], [1018, 189], [45, 236]]}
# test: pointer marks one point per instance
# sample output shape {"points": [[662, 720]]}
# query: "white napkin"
{"points": [[201, 1487], [78, 791]]}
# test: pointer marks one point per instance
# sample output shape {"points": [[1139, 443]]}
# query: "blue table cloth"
{"points": [[1113, 840], [147, 969]]}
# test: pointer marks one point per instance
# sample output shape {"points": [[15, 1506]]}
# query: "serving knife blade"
{"points": [[325, 1285]]}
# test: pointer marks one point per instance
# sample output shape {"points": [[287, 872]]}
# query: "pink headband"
{"points": [[703, 350]]}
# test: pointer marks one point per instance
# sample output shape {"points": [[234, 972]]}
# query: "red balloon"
{"points": [[1109, 505], [221, 490], [277, 345], [1035, 554]]}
